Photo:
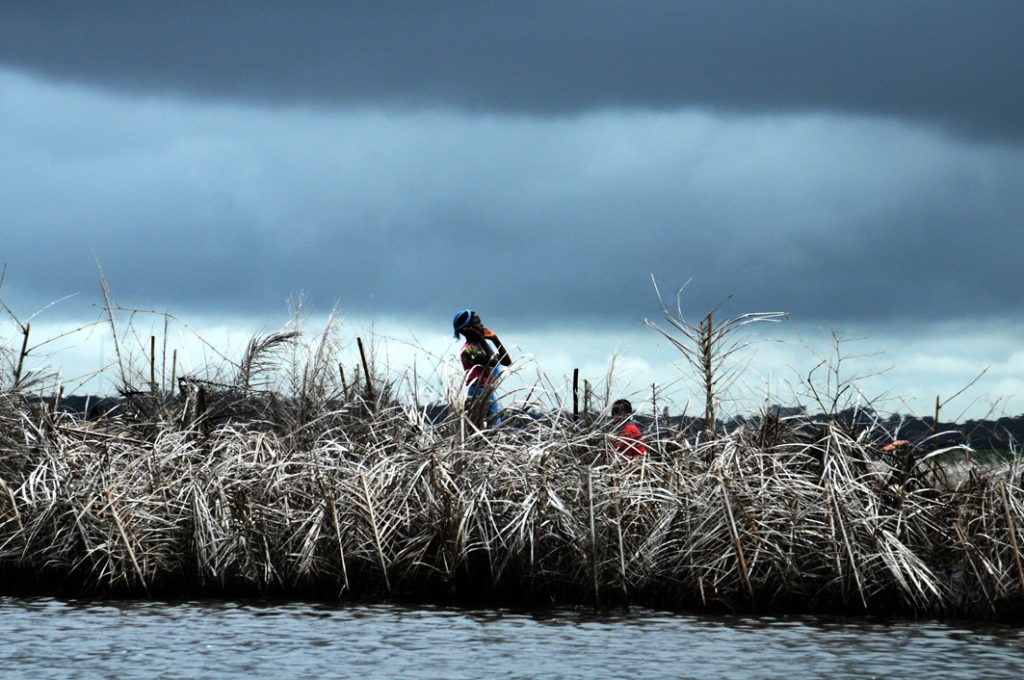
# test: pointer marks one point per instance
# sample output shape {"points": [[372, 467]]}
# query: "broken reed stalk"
{"points": [[174, 372], [587, 393], [14, 507], [376, 533], [654, 411], [736, 539], [22, 354], [706, 348], [112, 505], [1013, 533], [341, 545], [593, 539], [366, 372]]}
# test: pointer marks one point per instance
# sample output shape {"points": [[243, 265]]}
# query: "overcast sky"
{"points": [[859, 165]]}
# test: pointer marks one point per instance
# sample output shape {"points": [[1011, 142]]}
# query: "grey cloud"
{"points": [[953, 64], [212, 209]]}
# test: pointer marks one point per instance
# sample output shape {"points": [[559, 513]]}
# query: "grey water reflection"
{"points": [[50, 638]]}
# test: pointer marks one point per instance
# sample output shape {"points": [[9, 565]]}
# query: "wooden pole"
{"points": [[575, 393], [706, 336], [174, 371], [366, 371], [152, 364], [21, 357], [586, 401]]}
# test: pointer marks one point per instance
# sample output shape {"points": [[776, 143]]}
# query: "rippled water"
{"points": [[45, 637]]}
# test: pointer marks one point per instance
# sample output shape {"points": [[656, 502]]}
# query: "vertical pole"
{"points": [[415, 387], [593, 539], [575, 393], [654, 411], [366, 370], [163, 360], [57, 395], [586, 400], [152, 364], [706, 335], [174, 371], [24, 353]]}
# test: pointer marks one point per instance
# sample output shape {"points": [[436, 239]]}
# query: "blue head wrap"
{"points": [[462, 320]]}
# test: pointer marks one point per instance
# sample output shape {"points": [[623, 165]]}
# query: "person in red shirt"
{"points": [[628, 440], [482, 365]]}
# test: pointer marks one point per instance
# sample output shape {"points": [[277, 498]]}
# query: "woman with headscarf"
{"points": [[481, 364]]}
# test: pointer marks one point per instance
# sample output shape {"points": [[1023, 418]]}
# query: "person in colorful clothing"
{"points": [[482, 365], [628, 440]]}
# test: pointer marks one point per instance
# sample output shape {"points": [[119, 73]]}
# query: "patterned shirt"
{"points": [[474, 361]]}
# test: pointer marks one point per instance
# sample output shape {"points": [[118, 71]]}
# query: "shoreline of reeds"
{"points": [[372, 501], [311, 484]]}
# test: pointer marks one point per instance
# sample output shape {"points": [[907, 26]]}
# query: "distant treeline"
{"points": [[1001, 435]]}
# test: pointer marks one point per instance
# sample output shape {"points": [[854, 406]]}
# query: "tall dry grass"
{"points": [[328, 484]]}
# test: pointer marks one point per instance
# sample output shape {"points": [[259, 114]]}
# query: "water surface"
{"points": [[49, 638]]}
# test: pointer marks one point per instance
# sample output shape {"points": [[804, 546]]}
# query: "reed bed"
{"points": [[336, 489]]}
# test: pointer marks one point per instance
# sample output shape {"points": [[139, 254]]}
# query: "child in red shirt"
{"points": [[628, 441]]}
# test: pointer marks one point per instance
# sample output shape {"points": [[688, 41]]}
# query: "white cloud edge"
{"points": [[906, 373]]}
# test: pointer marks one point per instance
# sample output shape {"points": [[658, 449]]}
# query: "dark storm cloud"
{"points": [[955, 64], [214, 208]]}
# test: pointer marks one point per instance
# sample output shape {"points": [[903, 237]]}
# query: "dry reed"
{"points": [[327, 487]]}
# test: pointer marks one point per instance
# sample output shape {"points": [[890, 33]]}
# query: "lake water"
{"points": [[49, 638]]}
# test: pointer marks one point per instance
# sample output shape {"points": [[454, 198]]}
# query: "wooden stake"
{"points": [[366, 370], [174, 371], [586, 400], [575, 393], [21, 357], [152, 364], [706, 347]]}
